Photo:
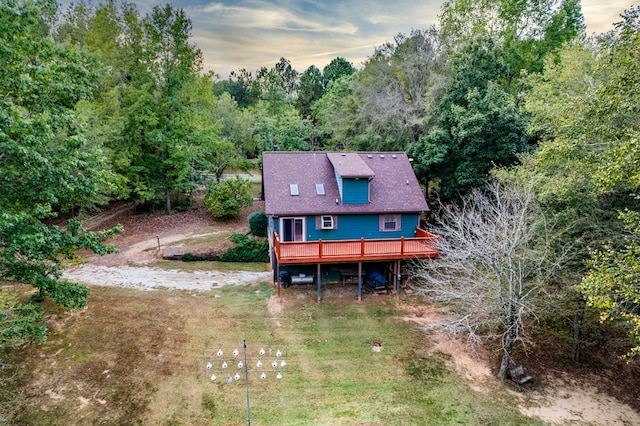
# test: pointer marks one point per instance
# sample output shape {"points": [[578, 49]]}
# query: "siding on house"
{"points": [[354, 227], [355, 191]]}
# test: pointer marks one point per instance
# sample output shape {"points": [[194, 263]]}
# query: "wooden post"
{"points": [[320, 248], [318, 278], [362, 246], [398, 278], [278, 276], [359, 281]]}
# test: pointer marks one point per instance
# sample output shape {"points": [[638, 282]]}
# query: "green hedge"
{"points": [[247, 249], [258, 224]]}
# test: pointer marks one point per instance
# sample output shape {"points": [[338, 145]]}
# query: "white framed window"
{"points": [[292, 229], [389, 222], [327, 222]]}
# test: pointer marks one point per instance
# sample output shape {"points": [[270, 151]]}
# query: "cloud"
{"points": [[234, 34], [599, 15], [251, 33]]}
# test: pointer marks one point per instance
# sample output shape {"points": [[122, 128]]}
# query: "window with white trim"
{"points": [[389, 222], [327, 222]]}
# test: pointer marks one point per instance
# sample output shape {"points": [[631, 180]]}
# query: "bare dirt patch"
{"points": [[557, 398]]}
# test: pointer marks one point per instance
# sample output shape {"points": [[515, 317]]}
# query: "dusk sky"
{"points": [[234, 34]]}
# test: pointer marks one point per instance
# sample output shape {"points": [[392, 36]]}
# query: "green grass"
{"points": [[153, 347], [207, 265], [202, 239]]}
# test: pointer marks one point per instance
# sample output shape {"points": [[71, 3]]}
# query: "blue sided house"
{"points": [[343, 216]]}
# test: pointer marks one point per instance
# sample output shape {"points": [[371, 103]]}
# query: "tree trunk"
{"points": [[168, 194], [577, 330], [509, 340]]}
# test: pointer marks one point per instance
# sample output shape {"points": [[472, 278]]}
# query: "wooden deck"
{"points": [[424, 245]]}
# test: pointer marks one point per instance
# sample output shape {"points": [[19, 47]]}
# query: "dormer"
{"points": [[352, 175]]}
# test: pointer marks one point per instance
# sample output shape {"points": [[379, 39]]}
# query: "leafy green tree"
{"points": [[612, 282], [47, 166], [583, 111], [242, 86], [310, 90], [226, 199], [284, 130], [612, 285], [258, 223], [232, 122], [479, 125], [287, 76], [335, 113], [527, 31], [337, 68]]}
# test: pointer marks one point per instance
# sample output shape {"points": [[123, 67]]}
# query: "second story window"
{"points": [[327, 222], [389, 222]]}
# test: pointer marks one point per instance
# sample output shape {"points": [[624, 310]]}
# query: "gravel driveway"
{"points": [[148, 278]]}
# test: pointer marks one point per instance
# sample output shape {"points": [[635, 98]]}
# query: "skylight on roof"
{"points": [[320, 189], [293, 189]]}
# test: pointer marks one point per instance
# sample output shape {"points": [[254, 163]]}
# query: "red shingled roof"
{"points": [[393, 186]]}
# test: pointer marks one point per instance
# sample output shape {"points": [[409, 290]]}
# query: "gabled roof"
{"points": [[393, 185], [349, 165]]}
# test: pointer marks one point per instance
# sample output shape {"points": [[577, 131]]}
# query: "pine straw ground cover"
{"points": [[136, 357]]}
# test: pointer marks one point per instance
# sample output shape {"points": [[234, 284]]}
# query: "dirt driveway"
{"points": [[147, 237], [148, 278]]}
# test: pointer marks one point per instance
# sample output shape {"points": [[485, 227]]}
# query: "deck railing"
{"points": [[423, 245]]}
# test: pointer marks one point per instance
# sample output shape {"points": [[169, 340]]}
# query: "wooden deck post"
{"points": [[359, 281], [318, 278], [397, 278], [278, 276]]}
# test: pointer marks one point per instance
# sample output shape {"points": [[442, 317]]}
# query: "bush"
{"points": [[226, 199], [190, 257], [247, 249], [258, 224]]}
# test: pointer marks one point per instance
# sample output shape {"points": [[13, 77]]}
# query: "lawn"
{"points": [[135, 357]]}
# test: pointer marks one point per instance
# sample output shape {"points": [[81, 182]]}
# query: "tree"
{"points": [[310, 90], [283, 130], [527, 31], [226, 199], [241, 86], [612, 285], [336, 69], [47, 164], [479, 125], [335, 112], [147, 116], [258, 224], [612, 281], [492, 268], [395, 90]]}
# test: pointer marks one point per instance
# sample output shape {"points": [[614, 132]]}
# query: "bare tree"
{"points": [[492, 267]]}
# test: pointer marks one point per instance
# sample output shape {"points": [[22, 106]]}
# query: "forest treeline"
{"points": [[99, 103]]}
